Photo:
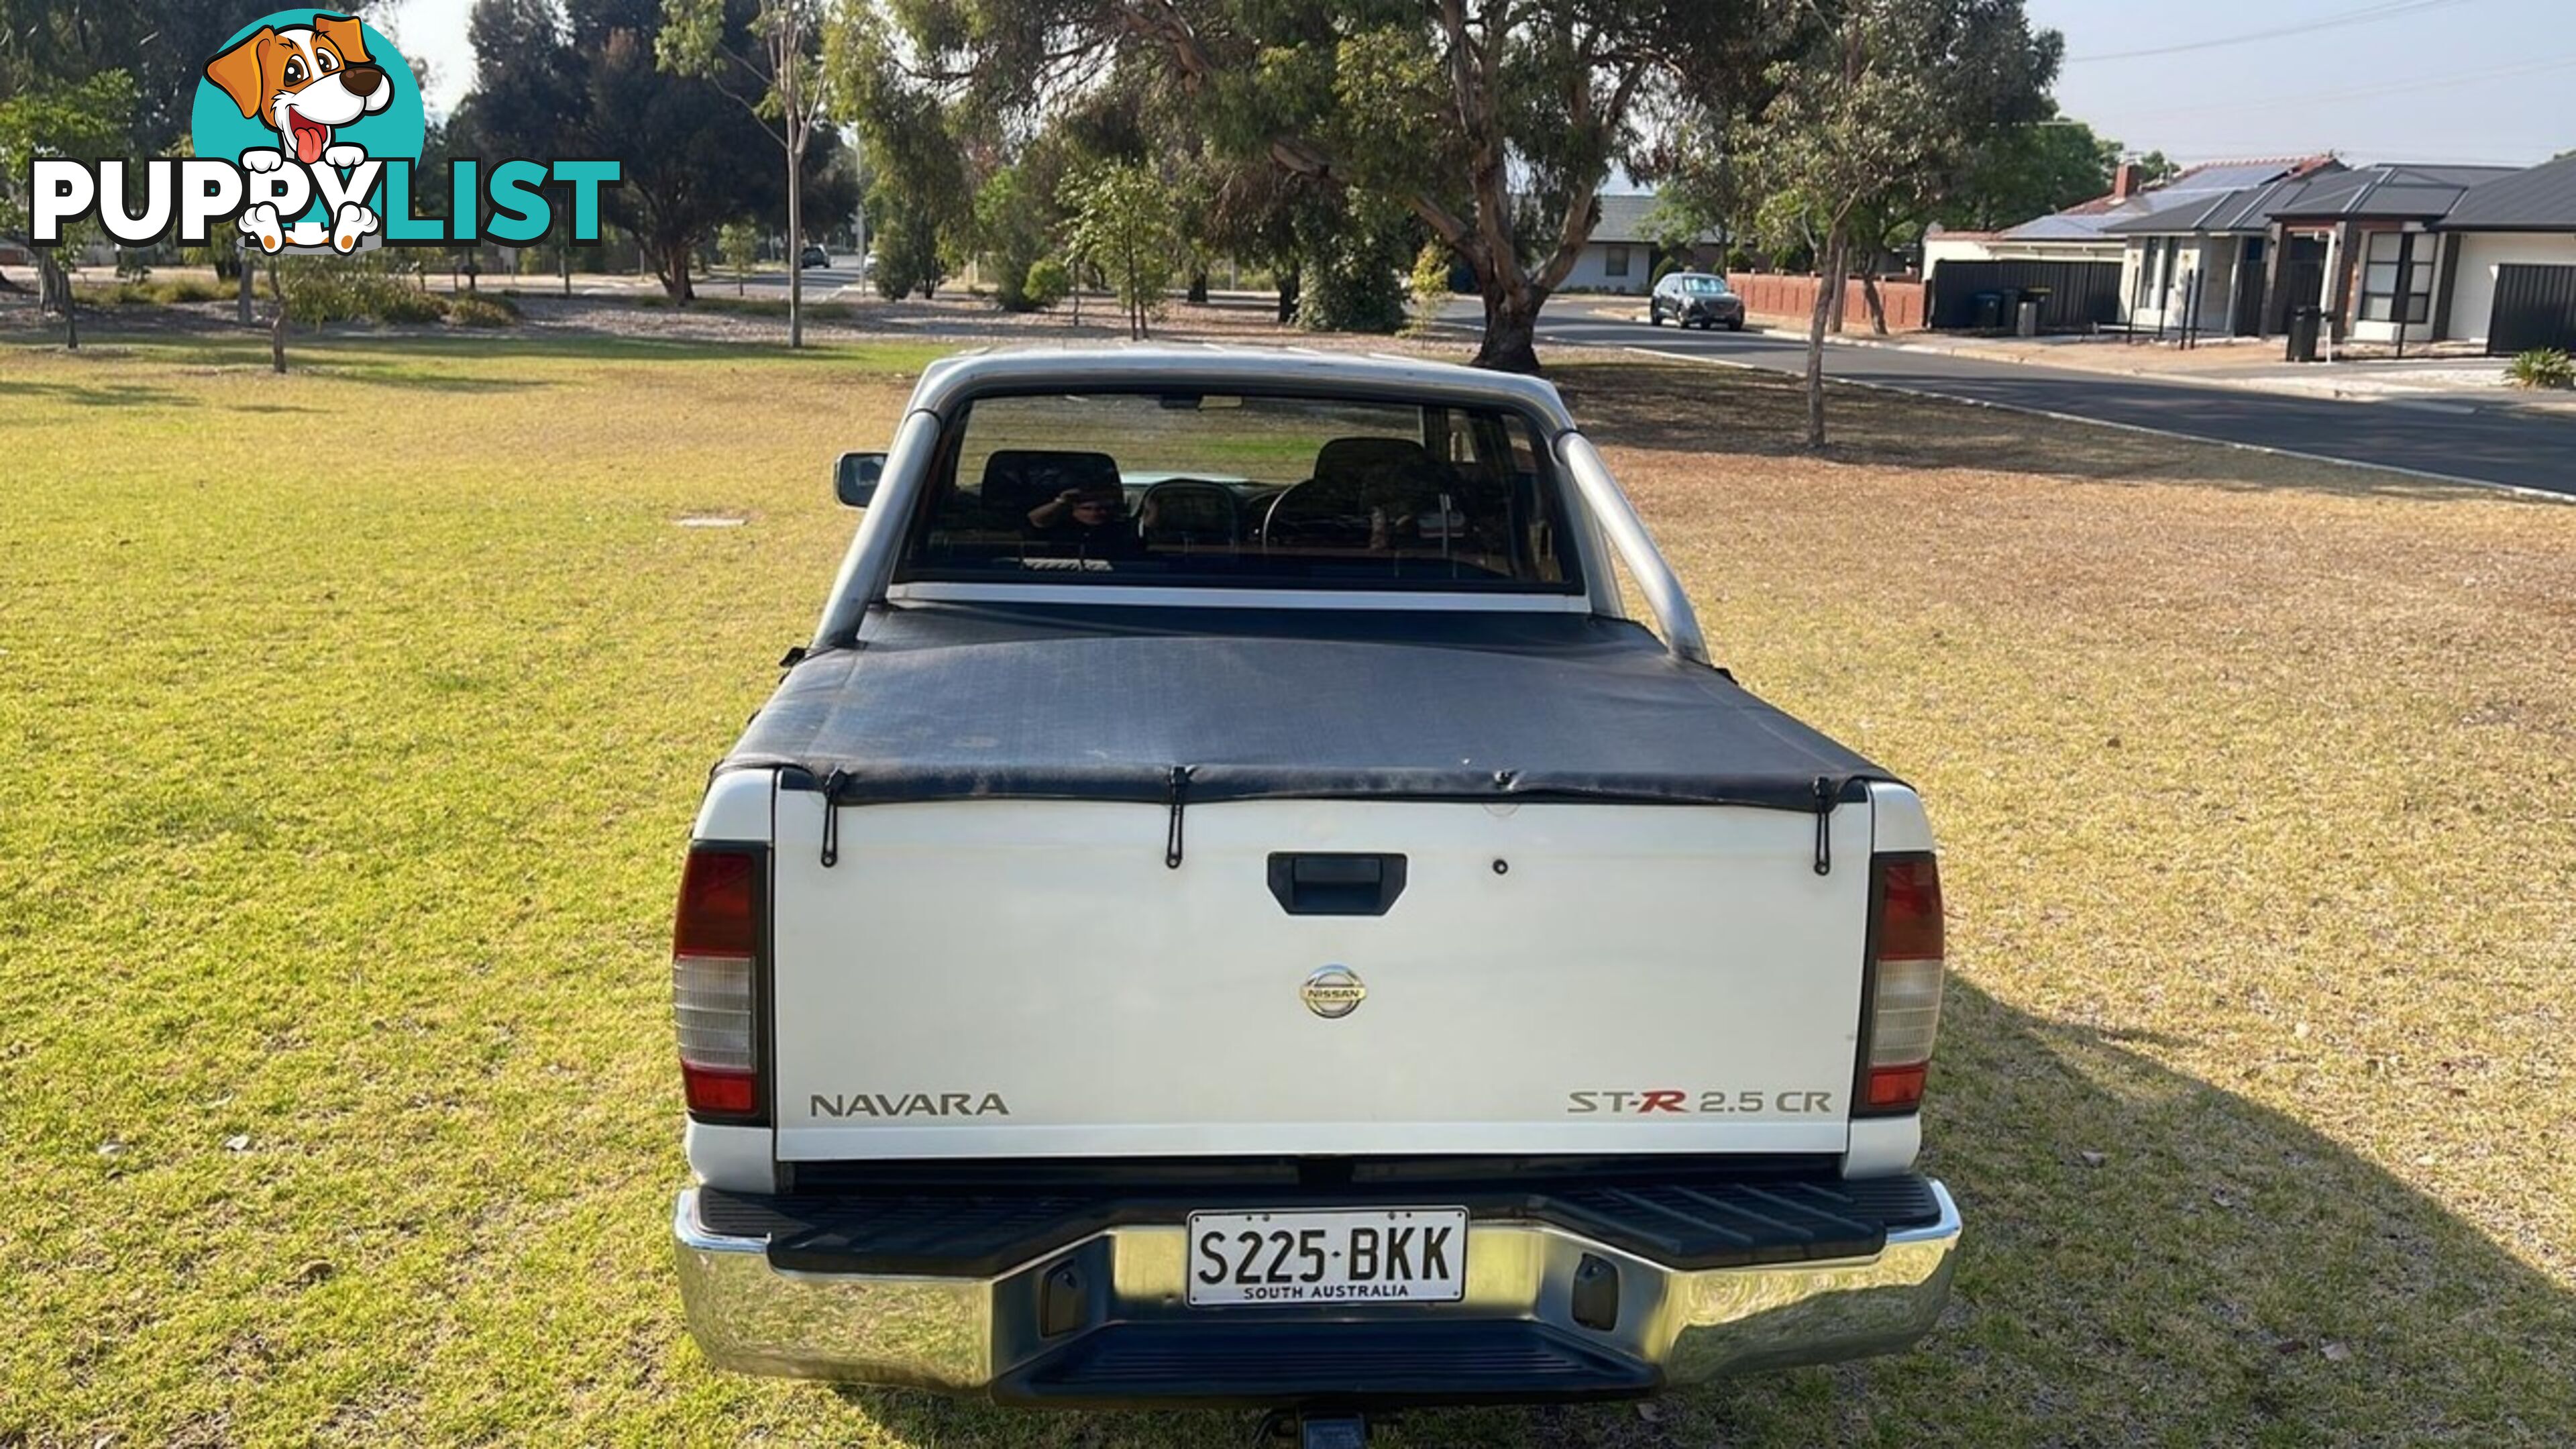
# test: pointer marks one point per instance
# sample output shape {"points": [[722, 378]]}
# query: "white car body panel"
{"points": [[1041, 953]]}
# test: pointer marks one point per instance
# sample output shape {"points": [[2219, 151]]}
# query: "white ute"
{"points": [[1226, 909]]}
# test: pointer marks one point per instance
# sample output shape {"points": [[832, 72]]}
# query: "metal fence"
{"points": [[2081, 295]]}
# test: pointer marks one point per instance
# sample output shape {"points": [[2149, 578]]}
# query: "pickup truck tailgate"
{"points": [[1028, 977]]}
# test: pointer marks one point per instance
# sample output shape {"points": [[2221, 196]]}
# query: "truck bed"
{"points": [[946, 701]]}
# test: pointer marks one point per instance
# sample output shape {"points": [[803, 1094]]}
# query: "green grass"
{"points": [[353, 720]]}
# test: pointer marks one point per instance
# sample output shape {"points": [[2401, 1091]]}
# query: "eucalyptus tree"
{"points": [[1880, 110], [1494, 124], [771, 66]]}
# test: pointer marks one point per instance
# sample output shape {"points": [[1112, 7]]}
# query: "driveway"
{"points": [[2518, 452]]}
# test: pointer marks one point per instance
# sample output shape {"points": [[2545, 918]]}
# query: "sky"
{"points": [[2487, 81], [432, 32]]}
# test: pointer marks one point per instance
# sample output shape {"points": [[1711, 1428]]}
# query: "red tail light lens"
{"points": [[1904, 985], [715, 959], [719, 912]]}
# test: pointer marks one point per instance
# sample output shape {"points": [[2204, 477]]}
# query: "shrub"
{"points": [[1677, 262], [1048, 283], [189, 289], [378, 289], [405, 306], [1429, 279], [2544, 367], [479, 312]]}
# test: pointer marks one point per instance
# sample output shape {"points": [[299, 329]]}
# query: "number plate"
{"points": [[1366, 1255]]}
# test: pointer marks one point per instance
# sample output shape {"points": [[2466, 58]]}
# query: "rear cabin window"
{"points": [[1240, 491]]}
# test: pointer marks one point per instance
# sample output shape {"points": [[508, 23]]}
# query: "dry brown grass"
{"points": [[2254, 778]]}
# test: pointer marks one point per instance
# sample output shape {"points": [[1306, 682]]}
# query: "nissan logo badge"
{"points": [[1333, 993]]}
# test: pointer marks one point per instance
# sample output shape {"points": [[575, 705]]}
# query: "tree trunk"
{"points": [[1835, 265], [1510, 343], [58, 285], [670, 262], [277, 324], [565, 252], [1829, 285], [795, 244], [1199, 287], [54, 293], [1290, 286], [1877, 303], [246, 286]]}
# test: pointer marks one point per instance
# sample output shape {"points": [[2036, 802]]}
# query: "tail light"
{"points": [[1901, 995], [715, 960]]}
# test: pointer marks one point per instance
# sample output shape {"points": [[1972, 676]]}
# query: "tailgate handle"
{"points": [[1336, 885]]}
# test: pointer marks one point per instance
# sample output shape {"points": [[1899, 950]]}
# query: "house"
{"points": [[1623, 252], [2395, 254], [2080, 255], [2508, 273], [2083, 232], [2238, 263]]}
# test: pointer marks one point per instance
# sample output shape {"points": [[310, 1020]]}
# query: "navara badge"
{"points": [[1333, 992]]}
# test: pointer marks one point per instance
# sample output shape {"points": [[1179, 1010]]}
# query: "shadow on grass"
{"points": [[1700, 409], [2150, 1259], [396, 357], [84, 395]]}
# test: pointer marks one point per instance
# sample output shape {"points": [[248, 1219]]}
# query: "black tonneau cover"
{"points": [[1107, 703]]}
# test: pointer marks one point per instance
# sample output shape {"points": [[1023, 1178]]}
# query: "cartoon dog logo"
{"points": [[304, 82]]}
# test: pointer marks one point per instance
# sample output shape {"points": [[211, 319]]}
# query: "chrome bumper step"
{"points": [[1104, 1320]]}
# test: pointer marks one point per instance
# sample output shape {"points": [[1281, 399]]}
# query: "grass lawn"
{"points": [[353, 720]]}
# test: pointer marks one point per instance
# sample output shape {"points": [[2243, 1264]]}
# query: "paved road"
{"points": [[2487, 447], [820, 282]]}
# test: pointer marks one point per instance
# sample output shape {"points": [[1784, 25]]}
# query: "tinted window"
{"points": [[1240, 491]]}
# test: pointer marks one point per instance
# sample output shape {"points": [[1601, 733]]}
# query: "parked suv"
{"points": [[1696, 299]]}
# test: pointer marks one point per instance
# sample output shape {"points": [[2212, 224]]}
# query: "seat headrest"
{"points": [[1392, 465], [1018, 479]]}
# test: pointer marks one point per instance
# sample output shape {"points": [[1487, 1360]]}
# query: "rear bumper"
{"points": [[1101, 1321]]}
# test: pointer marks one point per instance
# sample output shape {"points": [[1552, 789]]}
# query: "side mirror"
{"points": [[855, 480]]}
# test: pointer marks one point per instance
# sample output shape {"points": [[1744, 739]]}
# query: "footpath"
{"points": [[2448, 379]]}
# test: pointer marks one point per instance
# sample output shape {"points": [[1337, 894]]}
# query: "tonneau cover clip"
{"points": [[832, 784], [1826, 793], [1180, 784]]}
